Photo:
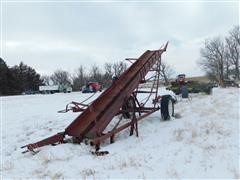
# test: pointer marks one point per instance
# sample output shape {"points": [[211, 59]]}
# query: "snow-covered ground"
{"points": [[203, 143]]}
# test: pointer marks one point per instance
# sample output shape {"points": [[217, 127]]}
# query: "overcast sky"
{"points": [[61, 35]]}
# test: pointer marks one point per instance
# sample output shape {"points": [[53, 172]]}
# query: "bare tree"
{"points": [[61, 77], [233, 50], [234, 33], [119, 68], [108, 75], [227, 67], [46, 79], [95, 74], [212, 59], [108, 67], [166, 72], [79, 78]]}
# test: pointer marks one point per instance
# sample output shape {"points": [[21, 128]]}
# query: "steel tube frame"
{"points": [[97, 140], [94, 119]]}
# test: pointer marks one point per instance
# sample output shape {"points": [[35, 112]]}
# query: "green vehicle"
{"points": [[192, 86]]}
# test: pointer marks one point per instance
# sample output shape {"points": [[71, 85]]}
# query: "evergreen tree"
{"points": [[8, 83], [4, 89], [28, 79]]}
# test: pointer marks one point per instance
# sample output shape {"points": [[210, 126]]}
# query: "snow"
{"points": [[203, 143]]}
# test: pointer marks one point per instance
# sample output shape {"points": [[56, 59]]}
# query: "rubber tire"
{"points": [[130, 104], [165, 114]]}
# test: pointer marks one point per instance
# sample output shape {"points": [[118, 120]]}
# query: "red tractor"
{"points": [[181, 79]]}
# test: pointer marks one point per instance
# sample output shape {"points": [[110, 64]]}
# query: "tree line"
{"points": [[220, 57], [22, 78], [81, 76], [110, 70], [17, 79]]}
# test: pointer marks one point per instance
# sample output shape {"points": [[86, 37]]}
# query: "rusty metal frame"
{"points": [[74, 107], [140, 109], [96, 116]]}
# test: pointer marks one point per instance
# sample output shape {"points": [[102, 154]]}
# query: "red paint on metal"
{"points": [[57, 138], [95, 118], [97, 140]]}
